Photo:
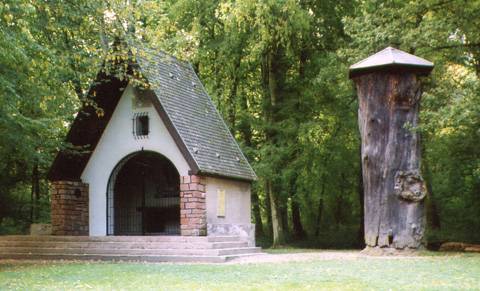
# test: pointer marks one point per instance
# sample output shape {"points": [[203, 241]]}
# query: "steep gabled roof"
{"points": [[185, 108], [193, 115]]}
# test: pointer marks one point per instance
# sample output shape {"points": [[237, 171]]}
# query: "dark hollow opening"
{"points": [[390, 239], [146, 197], [142, 125]]}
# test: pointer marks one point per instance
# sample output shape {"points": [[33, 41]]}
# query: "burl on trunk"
{"points": [[389, 92]]}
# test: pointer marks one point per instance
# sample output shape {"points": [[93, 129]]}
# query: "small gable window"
{"points": [[141, 125]]}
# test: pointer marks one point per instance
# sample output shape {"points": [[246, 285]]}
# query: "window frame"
{"points": [[140, 120]]}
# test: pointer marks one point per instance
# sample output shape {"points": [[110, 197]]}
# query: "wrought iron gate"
{"points": [[143, 197]]}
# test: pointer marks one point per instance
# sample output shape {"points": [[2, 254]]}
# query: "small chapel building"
{"points": [[158, 160]]}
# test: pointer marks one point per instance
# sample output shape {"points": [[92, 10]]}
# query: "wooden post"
{"points": [[389, 92]]}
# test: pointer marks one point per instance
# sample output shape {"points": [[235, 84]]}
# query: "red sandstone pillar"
{"points": [[193, 213], [69, 208]]}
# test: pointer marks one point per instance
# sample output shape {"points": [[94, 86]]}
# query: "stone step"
{"points": [[225, 239], [211, 249], [239, 251], [122, 244], [239, 256], [227, 245], [140, 258], [5, 251], [160, 238]]}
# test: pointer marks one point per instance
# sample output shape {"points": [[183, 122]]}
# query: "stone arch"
{"points": [[143, 196]]}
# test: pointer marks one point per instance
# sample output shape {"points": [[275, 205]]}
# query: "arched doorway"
{"points": [[143, 196]]}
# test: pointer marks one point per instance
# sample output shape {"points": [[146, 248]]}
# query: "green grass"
{"points": [[426, 272]]}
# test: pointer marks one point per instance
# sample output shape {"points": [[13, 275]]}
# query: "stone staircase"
{"points": [[209, 249]]}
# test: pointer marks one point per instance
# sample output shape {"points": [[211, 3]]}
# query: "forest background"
{"points": [[278, 72]]}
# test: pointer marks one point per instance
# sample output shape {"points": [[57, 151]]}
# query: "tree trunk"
{"points": [[270, 72], [320, 210], [245, 129], [268, 210], [282, 209], [298, 231], [433, 218], [35, 194], [257, 214], [339, 212], [32, 204], [232, 99], [394, 188], [277, 228]]}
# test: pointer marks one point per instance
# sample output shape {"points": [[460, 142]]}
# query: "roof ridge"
{"points": [[390, 50], [144, 45]]}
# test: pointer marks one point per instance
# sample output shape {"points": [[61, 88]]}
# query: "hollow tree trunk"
{"points": [[394, 189], [360, 191]]}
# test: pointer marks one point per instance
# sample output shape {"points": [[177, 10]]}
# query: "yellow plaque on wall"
{"points": [[221, 203]]}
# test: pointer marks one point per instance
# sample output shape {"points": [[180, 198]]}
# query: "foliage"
{"points": [[34, 103], [277, 71]]}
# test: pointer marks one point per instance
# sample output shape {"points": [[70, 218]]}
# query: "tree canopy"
{"points": [[278, 72]]}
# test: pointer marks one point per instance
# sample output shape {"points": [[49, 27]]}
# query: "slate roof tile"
{"points": [[193, 115]]}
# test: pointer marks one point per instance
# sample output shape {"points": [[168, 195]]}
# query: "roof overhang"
{"points": [[391, 60]]}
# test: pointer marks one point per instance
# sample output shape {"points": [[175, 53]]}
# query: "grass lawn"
{"points": [[426, 272]]}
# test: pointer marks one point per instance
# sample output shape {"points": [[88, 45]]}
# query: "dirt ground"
{"points": [[319, 255], [282, 256]]}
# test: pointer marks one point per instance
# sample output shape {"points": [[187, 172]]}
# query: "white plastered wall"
{"points": [[117, 142], [237, 201], [236, 219]]}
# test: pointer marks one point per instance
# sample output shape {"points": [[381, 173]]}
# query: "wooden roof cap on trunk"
{"points": [[390, 59]]}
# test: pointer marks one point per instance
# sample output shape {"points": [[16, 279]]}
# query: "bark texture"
{"points": [[394, 189], [277, 227]]}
